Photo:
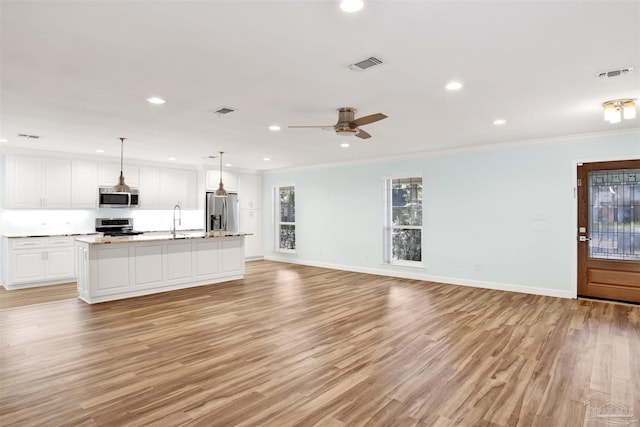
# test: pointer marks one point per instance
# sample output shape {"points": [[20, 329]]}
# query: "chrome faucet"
{"points": [[174, 219]]}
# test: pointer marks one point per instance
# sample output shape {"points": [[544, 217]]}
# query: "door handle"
{"points": [[584, 238]]}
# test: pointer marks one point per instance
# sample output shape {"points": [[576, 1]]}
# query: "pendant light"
{"points": [[121, 187], [221, 192]]}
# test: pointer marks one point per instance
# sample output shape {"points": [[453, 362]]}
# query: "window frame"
{"points": [[277, 220], [388, 225]]}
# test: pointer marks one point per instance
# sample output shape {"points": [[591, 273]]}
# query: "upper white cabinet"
{"points": [[108, 174], [212, 180], [162, 188], [58, 183], [84, 188], [32, 182], [250, 191], [149, 187], [178, 187]]}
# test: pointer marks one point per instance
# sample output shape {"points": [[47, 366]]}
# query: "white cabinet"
{"points": [[146, 260], [179, 261], [251, 222], [32, 182], [250, 195], [111, 273], [126, 269], [205, 257], [212, 180], [163, 188], [178, 187], [250, 191], [109, 173], [84, 187], [37, 261], [149, 188]]}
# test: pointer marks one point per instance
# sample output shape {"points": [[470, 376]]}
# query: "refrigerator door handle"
{"points": [[226, 213]]}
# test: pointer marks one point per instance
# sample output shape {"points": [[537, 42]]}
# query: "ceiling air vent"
{"points": [[224, 110], [614, 73], [365, 64], [27, 136]]}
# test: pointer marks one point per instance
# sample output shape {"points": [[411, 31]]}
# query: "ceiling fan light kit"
{"points": [[617, 109]]}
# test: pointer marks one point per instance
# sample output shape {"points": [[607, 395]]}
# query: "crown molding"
{"points": [[554, 140]]}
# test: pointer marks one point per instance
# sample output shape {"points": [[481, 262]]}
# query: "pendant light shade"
{"points": [[221, 192], [121, 187]]}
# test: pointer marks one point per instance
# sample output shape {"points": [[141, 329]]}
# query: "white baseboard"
{"points": [[405, 274]]}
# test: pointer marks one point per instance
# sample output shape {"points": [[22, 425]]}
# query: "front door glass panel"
{"points": [[614, 214]]}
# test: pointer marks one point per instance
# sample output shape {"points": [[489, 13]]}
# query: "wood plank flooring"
{"points": [[293, 345]]}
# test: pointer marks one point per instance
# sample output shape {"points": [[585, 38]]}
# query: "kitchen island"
{"points": [[111, 268]]}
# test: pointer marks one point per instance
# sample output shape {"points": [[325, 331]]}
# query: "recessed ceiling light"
{"points": [[156, 100], [344, 145], [266, 159], [499, 122], [172, 158], [351, 6], [4, 140], [99, 150], [274, 127], [452, 86]]}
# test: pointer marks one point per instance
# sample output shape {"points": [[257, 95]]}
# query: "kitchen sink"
{"points": [[188, 235]]}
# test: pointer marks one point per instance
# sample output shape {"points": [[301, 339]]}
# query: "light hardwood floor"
{"points": [[294, 345]]}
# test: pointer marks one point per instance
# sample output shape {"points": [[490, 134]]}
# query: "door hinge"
{"points": [[579, 182]]}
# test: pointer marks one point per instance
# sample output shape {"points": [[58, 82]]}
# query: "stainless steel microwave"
{"points": [[109, 198]]}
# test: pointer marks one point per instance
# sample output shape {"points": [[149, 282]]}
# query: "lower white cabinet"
{"points": [[127, 269], [38, 261], [251, 222], [179, 261], [206, 257]]}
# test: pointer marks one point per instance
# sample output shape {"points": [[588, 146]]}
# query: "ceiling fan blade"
{"points": [[362, 134], [325, 126], [367, 119]]}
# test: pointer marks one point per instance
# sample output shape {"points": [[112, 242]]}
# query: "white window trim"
{"points": [[276, 220], [387, 238]]}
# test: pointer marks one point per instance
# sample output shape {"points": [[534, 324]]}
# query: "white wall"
{"points": [[26, 222], [502, 217]]}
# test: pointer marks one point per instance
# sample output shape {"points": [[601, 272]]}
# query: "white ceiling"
{"points": [[78, 73]]}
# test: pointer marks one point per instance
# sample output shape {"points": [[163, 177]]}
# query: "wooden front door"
{"points": [[609, 230]]}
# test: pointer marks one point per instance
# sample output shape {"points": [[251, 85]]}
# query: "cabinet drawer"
{"points": [[60, 241], [29, 243]]}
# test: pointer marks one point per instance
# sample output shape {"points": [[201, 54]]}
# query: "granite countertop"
{"points": [[146, 237], [24, 236]]}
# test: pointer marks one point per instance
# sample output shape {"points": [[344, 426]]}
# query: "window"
{"points": [[403, 221], [285, 206]]}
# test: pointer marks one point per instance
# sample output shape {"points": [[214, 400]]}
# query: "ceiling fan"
{"points": [[348, 124]]}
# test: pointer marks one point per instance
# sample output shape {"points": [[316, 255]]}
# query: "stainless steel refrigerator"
{"points": [[221, 213]]}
